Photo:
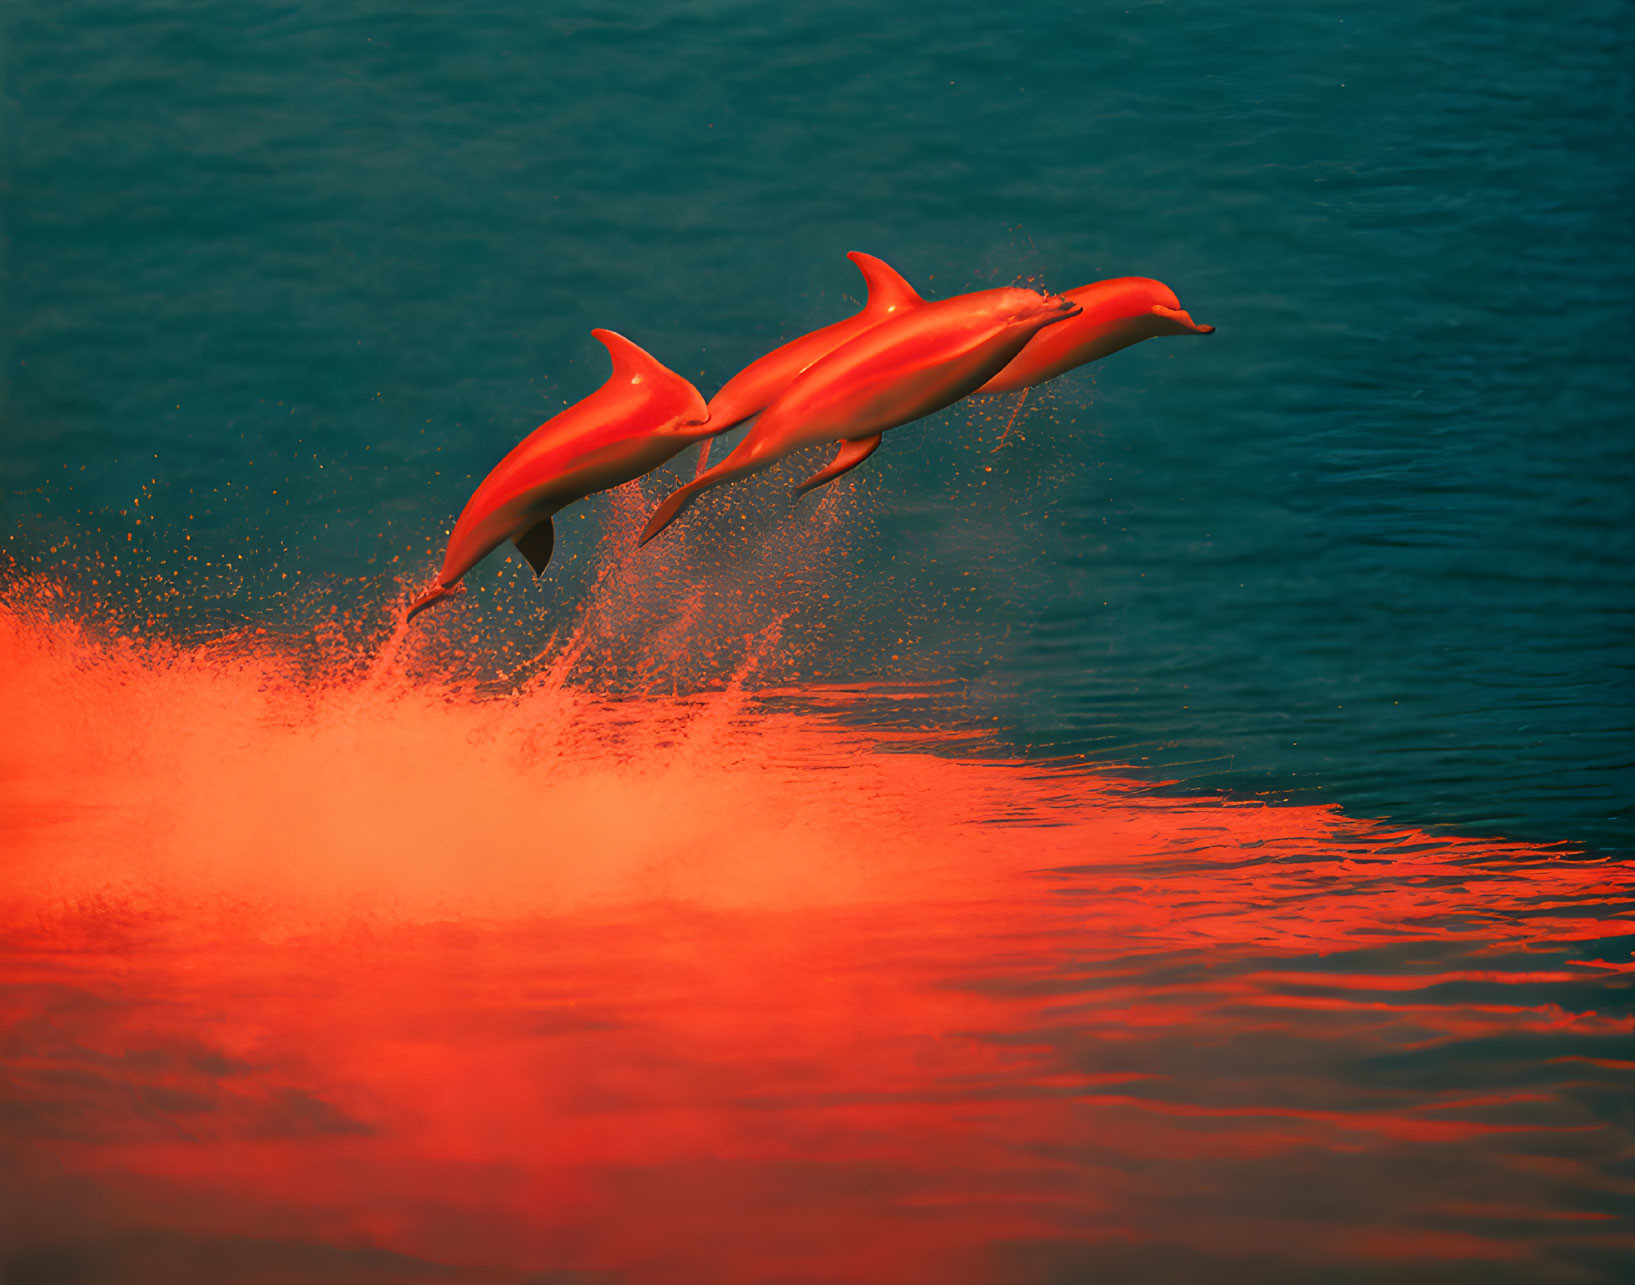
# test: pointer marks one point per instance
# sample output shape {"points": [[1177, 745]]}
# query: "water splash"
{"points": [[316, 963]]}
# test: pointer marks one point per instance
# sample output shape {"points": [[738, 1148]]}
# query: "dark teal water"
{"points": [[297, 278]]}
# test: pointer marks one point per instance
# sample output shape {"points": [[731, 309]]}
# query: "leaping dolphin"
{"points": [[927, 358], [644, 414], [1115, 314], [754, 387]]}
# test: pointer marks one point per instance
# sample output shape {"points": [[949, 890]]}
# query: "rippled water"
{"points": [[361, 975], [1188, 840]]}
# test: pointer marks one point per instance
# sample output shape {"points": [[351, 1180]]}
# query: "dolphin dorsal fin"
{"points": [[888, 292], [631, 364]]}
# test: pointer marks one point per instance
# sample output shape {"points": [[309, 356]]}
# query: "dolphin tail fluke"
{"points": [[433, 595], [741, 463], [673, 506]]}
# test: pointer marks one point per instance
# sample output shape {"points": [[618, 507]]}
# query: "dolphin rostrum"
{"points": [[898, 371], [644, 414]]}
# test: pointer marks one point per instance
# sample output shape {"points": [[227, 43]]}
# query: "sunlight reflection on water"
{"points": [[313, 974]]}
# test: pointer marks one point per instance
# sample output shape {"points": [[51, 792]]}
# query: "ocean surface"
{"points": [[1186, 836]]}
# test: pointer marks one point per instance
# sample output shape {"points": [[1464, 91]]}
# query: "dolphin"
{"points": [[753, 388], [913, 365], [1114, 314], [643, 415]]}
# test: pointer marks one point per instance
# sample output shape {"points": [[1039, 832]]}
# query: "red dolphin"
{"points": [[643, 415], [1115, 314], [753, 388], [927, 358]]}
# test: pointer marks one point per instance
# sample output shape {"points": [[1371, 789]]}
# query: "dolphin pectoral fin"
{"points": [[851, 454], [536, 544]]}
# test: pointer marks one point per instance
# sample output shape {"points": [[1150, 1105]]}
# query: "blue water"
{"points": [[296, 280]]}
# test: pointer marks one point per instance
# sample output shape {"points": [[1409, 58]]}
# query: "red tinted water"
{"points": [[348, 976]]}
